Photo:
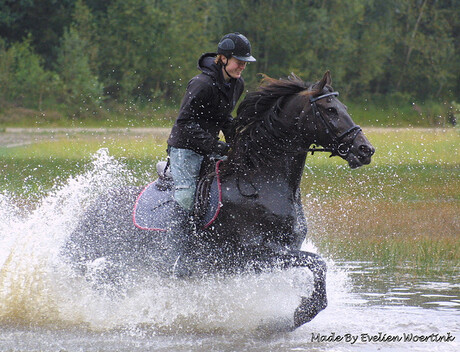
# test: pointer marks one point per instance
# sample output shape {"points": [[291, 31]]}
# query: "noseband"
{"points": [[337, 146]]}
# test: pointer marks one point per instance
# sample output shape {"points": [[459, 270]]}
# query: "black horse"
{"points": [[260, 223]]}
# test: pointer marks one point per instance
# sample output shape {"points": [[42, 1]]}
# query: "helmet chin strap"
{"points": [[225, 69]]}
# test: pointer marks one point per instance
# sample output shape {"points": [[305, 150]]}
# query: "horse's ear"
{"points": [[326, 80]]}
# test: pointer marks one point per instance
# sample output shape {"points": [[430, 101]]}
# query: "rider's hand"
{"points": [[222, 148]]}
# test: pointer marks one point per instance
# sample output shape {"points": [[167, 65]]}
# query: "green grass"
{"points": [[83, 147], [117, 116], [401, 210], [31, 171], [397, 112]]}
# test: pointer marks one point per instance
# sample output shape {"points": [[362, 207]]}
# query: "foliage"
{"points": [[43, 20], [23, 80], [145, 51], [80, 88]]}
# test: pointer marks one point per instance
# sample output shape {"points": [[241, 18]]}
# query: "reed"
{"points": [[401, 211], [420, 235]]}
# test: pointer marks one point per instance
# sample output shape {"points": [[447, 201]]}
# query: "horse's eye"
{"points": [[332, 110]]}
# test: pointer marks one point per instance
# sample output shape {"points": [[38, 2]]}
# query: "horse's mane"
{"points": [[260, 131], [270, 92]]}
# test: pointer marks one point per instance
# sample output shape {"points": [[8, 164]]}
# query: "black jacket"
{"points": [[206, 109]]}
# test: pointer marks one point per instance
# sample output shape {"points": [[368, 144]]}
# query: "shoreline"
{"points": [[19, 136]]}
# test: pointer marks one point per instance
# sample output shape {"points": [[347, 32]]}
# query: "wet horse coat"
{"points": [[260, 223]]}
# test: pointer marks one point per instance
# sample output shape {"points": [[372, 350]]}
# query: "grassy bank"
{"points": [[384, 112], [116, 116], [402, 210]]}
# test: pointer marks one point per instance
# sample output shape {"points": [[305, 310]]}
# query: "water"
{"points": [[45, 306]]}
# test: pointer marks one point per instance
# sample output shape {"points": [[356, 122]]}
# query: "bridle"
{"points": [[337, 146]]}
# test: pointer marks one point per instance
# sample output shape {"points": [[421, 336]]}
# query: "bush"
{"points": [[23, 80]]}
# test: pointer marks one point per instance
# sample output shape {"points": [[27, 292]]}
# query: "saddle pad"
{"points": [[153, 208]]}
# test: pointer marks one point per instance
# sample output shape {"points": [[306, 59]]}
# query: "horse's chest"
{"points": [[268, 213], [263, 197]]}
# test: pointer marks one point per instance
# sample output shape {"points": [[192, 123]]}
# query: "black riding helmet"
{"points": [[236, 45]]}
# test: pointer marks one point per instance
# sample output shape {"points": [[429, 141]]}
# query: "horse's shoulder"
{"points": [[257, 196]]}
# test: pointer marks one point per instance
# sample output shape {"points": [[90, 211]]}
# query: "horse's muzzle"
{"points": [[360, 153]]}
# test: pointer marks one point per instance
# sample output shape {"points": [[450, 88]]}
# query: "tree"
{"points": [[424, 61], [147, 49], [43, 20], [81, 89], [23, 79], [130, 58], [85, 24]]}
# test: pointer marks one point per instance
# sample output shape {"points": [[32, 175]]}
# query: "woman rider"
{"points": [[205, 111]]}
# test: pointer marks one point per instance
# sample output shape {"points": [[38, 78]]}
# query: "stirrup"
{"points": [[163, 169]]}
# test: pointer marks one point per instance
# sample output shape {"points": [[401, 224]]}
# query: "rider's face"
{"points": [[234, 68]]}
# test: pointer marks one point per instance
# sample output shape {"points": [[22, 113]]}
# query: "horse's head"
{"points": [[287, 116], [333, 126]]}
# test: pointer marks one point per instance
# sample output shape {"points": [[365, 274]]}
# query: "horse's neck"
{"points": [[287, 169]]}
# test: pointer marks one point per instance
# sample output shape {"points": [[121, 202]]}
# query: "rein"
{"points": [[337, 147]]}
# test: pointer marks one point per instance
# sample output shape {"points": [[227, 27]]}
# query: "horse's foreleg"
{"points": [[309, 306]]}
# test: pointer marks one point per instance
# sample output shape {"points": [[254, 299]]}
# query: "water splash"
{"points": [[45, 305], [31, 242], [38, 288]]}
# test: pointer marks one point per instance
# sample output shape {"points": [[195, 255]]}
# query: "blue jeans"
{"points": [[185, 169]]}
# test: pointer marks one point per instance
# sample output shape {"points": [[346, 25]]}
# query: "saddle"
{"points": [[155, 204]]}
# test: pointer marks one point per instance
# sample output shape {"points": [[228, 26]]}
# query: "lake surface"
{"points": [[45, 306], [368, 311]]}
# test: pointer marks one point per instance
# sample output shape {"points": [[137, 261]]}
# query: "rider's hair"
{"points": [[219, 59]]}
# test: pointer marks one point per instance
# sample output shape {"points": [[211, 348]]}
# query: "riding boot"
{"points": [[182, 230]]}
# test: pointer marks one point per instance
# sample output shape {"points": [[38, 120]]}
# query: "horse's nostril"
{"points": [[365, 150], [372, 151]]}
